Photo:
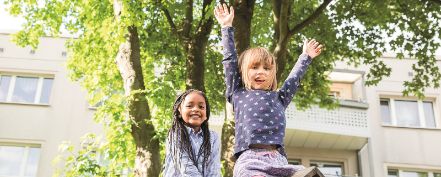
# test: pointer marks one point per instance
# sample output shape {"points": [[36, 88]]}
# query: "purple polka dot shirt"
{"points": [[259, 114]]}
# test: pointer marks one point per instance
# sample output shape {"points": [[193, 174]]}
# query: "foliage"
{"points": [[358, 33]]}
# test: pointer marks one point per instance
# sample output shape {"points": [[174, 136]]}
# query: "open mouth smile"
{"points": [[259, 81], [195, 116]]}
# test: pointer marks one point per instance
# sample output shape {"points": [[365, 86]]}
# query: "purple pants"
{"points": [[263, 162]]}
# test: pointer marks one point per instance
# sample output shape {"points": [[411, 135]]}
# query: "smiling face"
{"points": [[193, 110], [260, 76], [258, 69]]}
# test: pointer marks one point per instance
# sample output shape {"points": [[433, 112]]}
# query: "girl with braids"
{"points": [[191, 148], [259, 107]]}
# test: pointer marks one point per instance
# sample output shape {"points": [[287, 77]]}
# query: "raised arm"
{"points": [[311, 49], [232, 77]]}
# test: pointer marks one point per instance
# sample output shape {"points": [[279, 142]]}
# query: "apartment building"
{"points": [[39, 107], [376, 132]]}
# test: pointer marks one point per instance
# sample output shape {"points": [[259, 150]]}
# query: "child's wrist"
{"points": [[309, 56], [227, 25]]}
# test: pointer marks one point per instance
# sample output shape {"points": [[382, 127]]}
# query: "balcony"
{"points": [[343, 128], [349, 119]]}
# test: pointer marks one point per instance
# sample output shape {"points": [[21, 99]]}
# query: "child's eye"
{"points": [[202, 107]]}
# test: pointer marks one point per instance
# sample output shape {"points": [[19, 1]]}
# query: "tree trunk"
{"points": [[242, 23], [227, 150], [194, 41], [128, 59], [196, 55], [147, 162], [281, 34]]}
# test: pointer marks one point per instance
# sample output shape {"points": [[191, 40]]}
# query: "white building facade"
{"points": [[376, 132], [39, 107]]}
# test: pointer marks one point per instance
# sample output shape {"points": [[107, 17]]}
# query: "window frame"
{"points": [[38, 89], [399, 171], [421, 116], [338, 90], [320, 162], [295, 161], [25, 158]]}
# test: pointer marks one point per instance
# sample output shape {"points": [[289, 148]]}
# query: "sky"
{"points": [[8, 22]]}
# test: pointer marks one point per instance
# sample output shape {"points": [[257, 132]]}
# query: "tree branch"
{"points": [[276, 23], [283, 20], [188, 20], [205, 5], [169, 19], [310, 19], [436, 1]]}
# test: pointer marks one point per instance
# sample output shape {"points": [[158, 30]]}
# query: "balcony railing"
{"points": [[349, 119]]}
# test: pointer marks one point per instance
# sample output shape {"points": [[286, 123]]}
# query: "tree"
{"points": [[352, 31], [192, 34], [106, 59], [356, 28], [115, 61]]}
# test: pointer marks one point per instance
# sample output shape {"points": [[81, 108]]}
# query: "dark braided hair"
{"points": [[178, 137]]}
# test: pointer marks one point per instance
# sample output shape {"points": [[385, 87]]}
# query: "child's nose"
{"points": [[195, 108]]}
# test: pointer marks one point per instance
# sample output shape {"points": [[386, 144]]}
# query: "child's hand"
{"points": [[222, 15], [312, 48]]}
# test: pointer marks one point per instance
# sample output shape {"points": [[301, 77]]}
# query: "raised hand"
{"points": [[223, 16], [312, 48]]}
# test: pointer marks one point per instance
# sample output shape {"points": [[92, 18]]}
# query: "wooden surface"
{"points": [[309, 172]]}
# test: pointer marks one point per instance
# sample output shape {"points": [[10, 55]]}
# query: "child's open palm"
{"points": [[312, 48], [223, 16]]}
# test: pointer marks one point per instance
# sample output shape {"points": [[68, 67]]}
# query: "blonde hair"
{"points": [[253, 56]]}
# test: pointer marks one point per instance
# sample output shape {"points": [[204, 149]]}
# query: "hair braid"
{"points": [[179, 139]]}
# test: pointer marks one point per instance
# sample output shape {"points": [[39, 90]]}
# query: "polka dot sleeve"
{"points": [[231, 70], [289, 87]]}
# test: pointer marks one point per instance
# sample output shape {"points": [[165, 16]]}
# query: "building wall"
{"points": [[67, 117], [397, 147]]}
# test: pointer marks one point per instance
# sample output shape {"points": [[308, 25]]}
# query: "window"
{"points": [[329, 169], [429, 114], [385, 111], [25, 89], [19, 161], [341, 91], [407, 113], [334, 94], [392, 173], [294, 161], [411, 173]]}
